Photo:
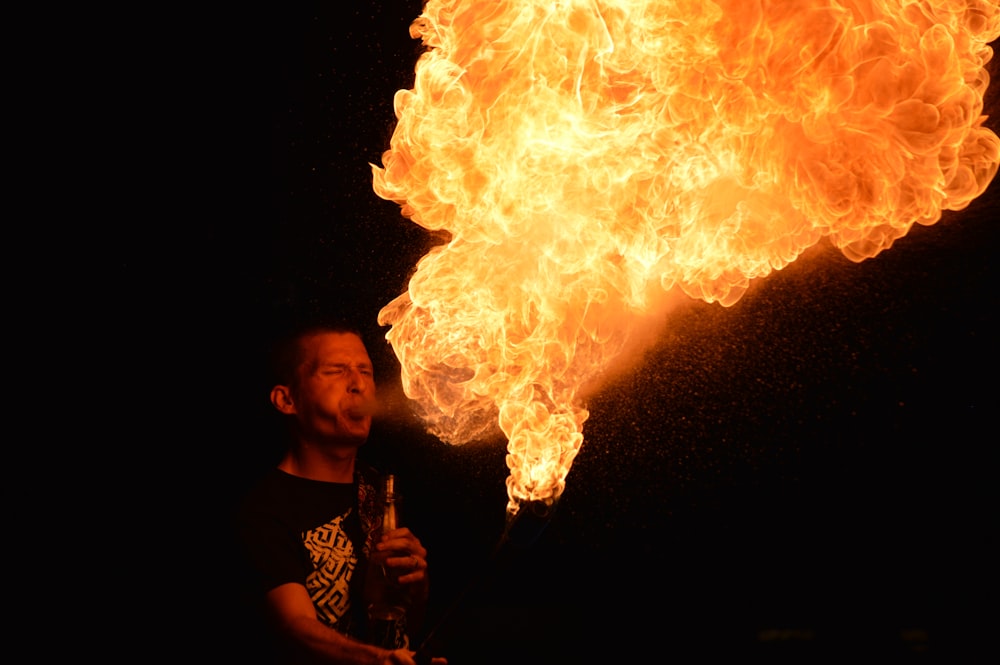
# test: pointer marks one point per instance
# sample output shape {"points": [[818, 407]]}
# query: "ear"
{"points": [[281, 398]]}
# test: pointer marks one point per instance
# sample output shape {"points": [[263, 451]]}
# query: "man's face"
{"points": [[336, 395]]}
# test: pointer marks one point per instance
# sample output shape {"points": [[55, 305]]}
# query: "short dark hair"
{"points": [[288, 352]]}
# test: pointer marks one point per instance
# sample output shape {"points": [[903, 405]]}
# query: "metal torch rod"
{"points": [[521, 531]]}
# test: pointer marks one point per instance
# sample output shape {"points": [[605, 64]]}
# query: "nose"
{"points": [[356, 381]]}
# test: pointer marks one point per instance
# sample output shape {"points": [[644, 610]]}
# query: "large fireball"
{"points": [[590, 160]]}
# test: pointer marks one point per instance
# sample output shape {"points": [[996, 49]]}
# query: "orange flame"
{"points": [[590, 157]]}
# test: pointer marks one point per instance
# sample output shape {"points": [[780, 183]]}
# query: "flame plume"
{"points": [[588, 157]]}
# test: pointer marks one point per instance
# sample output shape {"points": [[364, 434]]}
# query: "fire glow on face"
{"points": [[592, 159]]}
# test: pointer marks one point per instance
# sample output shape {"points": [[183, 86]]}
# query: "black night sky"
{"points": [[807, 473]]}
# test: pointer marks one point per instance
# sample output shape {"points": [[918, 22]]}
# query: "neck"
{"points": [[330, 464]]}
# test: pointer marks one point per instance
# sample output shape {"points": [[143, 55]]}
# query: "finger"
{"points": [[417, 576], [402, 551], [408, 545], [402, 533], [412, 569], [407, 563]]}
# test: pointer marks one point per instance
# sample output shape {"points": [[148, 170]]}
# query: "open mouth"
{"points": [[360, 410]]}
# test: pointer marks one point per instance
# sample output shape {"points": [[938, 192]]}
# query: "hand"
{"points": [[405, 657], [408, 559]]}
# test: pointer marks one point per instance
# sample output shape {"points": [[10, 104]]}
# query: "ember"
{"points": [[592, 160]]}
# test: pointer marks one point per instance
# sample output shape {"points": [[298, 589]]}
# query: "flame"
{"points": [[586, 159]]}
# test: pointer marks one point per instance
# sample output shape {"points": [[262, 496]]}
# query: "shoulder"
{"points": [[271, 485], [280, 493], [281, 497]]}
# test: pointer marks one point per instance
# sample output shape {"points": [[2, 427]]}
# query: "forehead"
{"points": [[334, 347]]}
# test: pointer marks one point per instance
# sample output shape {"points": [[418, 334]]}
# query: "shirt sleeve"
{"points": [[272, 553]]}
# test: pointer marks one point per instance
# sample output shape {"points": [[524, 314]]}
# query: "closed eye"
{"points": [[334, 370]]}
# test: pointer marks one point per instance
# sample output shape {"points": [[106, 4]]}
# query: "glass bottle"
{"points": [[386, 599]]}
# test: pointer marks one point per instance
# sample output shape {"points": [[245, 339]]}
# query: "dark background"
{"points": [[807, 474]]}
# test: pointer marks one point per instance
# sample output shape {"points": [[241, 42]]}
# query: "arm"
{"points": [[293, 614]]}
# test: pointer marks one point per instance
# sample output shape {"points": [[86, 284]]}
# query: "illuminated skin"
{"points": [[332, 407], [335, 397]]}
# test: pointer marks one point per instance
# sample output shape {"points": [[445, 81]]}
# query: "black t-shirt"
{"points": [[313, 533]]}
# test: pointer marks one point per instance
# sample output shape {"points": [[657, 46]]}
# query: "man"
{"points": [[309, 526]]}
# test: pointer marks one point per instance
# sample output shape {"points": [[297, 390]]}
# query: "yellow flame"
{"points": [[588, 157]]}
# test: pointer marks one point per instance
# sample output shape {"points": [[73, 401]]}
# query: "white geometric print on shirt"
{"points": [[334, 561]]}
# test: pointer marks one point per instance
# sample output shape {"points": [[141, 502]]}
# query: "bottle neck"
{"points": [[390, 515]]}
